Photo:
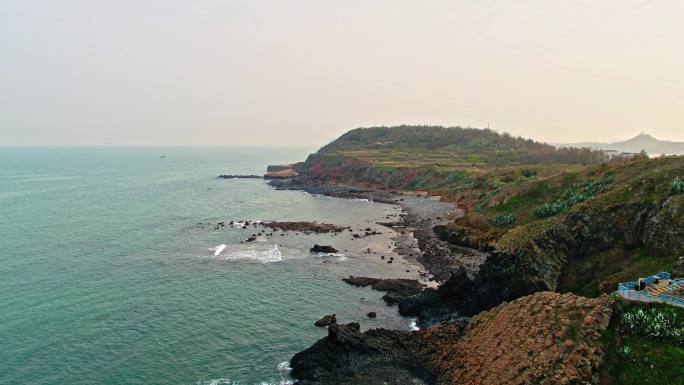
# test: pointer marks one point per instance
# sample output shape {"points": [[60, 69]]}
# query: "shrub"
{"points": [[570, 197], [503, 220], [528, 172], [626, 353], [677, 185], [654, 322]]}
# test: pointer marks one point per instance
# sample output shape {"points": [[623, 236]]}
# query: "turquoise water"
{"points": [[108, 277]]}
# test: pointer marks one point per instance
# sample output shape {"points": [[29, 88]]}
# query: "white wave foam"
{"points": [[216, 381], [340, 257], [218, 249], [284, 370], [257, 253], [413, 325]]}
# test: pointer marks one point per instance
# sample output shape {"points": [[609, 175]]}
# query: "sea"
{"points": [[113, 269]]}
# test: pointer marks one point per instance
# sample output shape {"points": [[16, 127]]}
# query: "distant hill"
{"points": [[426, 137], [640, 142], [442, 145]]}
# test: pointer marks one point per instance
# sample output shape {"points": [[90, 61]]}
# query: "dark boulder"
{"points": [[372, 314], [323, 249], [326, 321]]}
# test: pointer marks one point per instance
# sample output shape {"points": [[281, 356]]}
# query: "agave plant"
{"points": [[626, 353], [629, 321], [654, 322]]}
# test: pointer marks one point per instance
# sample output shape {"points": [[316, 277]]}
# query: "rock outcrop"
{"points": [[398, 289], [280, 171], [526, 263], [306, 227], [545, 338], [323, 249], [326, 320]]}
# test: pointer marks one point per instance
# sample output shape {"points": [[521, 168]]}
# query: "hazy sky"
{"points": [[303, 72]]}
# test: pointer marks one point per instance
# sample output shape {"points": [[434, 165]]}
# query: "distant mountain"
{"points": [[640, 142]]}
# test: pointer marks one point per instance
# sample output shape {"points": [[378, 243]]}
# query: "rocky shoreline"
{"points": [[527, 234], [416, 239], [447, 265], [500, 346], [542, 338]]}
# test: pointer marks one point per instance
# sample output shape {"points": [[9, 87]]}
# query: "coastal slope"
{"points": [[547, 221]]}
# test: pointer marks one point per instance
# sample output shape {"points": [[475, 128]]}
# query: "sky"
{"points": [[262, 72]]}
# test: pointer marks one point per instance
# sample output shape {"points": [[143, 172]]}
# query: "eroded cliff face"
{"points": [[334, 169], [664, 231], [545, 338], [523, 263]]}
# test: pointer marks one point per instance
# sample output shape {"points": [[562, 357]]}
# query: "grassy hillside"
{"points": [[580, 232], [555, 219], [459, 163], [408, 146]]}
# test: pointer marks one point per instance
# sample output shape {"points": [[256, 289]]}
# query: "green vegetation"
{"points": [[677, 185], [637, 353], [469, 145], [571, 197], [503, 220], [658, 322], [600, 273]]}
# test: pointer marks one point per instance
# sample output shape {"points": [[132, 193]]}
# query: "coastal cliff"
{"points": [[544, 220]]}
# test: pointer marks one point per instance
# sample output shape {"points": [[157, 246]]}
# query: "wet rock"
{"points": [[323, 249], [372, 314], [307, 227], [326, 320], [397, 289]]}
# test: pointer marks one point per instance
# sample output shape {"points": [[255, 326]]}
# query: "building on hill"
{"points": [[615, 155]]}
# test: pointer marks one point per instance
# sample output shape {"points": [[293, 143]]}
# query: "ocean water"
{"points": [[109, 272]]}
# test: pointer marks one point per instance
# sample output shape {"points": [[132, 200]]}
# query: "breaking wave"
{"points": [[218, 249], [413, 325], [284, 370], [257, 253]]}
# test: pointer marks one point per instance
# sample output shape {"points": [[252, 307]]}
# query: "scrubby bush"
{"points": [[626, 353], [528, 172], [570, 197], [503, 220], [677, 185], [550, 209]]}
